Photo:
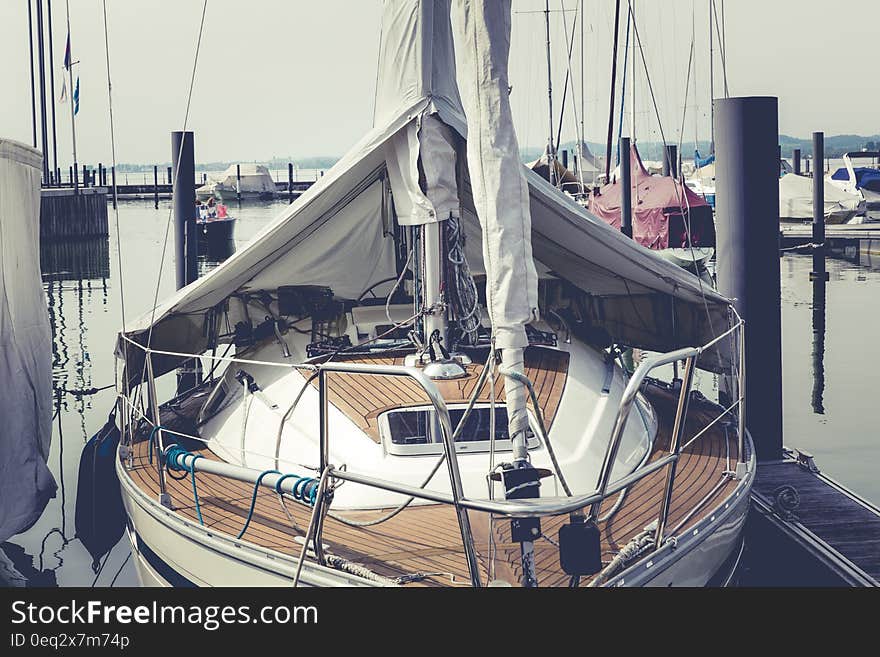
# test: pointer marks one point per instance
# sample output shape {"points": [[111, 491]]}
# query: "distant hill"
{"points": [[835, 146]]}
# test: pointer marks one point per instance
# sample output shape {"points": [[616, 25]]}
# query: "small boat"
{"points": [[365, 432], [702, 179], [862, 180], [796, 200], [246, 181], [668, 217]]}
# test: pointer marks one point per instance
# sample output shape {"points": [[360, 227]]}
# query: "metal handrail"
{"points": [[510, 508], [629, 396]]}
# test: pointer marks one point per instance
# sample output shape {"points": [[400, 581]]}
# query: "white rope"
{"points": [[113, 164], [176, 172]]}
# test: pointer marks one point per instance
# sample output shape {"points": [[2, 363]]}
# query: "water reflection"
{"points": [[84, 313], [819, 283]]}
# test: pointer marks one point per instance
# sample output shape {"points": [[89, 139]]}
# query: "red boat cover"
{"points": [[660, 206]]}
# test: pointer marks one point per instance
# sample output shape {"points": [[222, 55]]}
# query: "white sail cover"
{"points": [[26, 484], [339, 233], [796, 199]]}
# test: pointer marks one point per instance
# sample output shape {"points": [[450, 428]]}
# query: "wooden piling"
{"points": [[290, 182], [156, 186]]}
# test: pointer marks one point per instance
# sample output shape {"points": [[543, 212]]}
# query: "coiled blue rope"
{"points": [[305, 489], [175, 457]]}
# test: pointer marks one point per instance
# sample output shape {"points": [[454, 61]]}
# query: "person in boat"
{"points": [[201, 211], [211, 210]]}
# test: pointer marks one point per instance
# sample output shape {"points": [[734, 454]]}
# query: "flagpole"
{"points": [[72, 101], [52, 88], [33, 82]]}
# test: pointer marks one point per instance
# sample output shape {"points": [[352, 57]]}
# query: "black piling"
{"points": [[185, 232], [113, 182], [168, 175], [565, 158], [183, 200], [626, 188], [806, 165], [747, 160], [290, 182], [818, 212], [238, 183], [796, 160], [155, 186], [670, 160]]}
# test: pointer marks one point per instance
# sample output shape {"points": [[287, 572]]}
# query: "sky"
{"points": [[296, 78]]}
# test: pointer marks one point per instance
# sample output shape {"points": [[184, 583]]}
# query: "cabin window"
{"points": [[417, 430]]}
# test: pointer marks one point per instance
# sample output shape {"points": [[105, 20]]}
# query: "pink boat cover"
{"points": [[661, 205]]}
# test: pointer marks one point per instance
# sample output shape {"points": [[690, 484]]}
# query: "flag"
{"points": [[67, 53], [63, 98], [76, 98]]}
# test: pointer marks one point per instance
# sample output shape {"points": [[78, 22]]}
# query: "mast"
{"points": [[33, 83], [52, 87], [711, 82], [632, 75], [42, 64], [551, 154], [696, 103], [580, 148], [72, 102], [613, 82]]}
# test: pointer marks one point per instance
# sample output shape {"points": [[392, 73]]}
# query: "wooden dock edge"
{"points": [[811, 559]]}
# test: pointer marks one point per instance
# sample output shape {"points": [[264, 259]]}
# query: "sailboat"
{"points": [[425, 388], [667, 215]]}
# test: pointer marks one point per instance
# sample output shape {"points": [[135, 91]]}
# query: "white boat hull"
{"points": [[170, 550]]}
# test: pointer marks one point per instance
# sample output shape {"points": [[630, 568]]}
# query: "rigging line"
{"points": [[687, 85], [721, 48], [674, 186], [113, 164], [378, 64], [626, 56], [568, 81], [171, 211]]}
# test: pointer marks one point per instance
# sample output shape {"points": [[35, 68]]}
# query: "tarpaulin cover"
{"points": [[26, 484], [796, 199], [657, 201]]}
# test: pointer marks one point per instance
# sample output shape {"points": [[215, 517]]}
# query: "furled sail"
{"points": [[26, 484]]}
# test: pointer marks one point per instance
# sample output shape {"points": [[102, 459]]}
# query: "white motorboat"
{"points": [[245, 181], [424, 388], [796, 200]]}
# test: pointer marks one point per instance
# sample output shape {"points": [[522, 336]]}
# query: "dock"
{"points": [[793, 235], [829, 535], [65, 215], [149, 191]]}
